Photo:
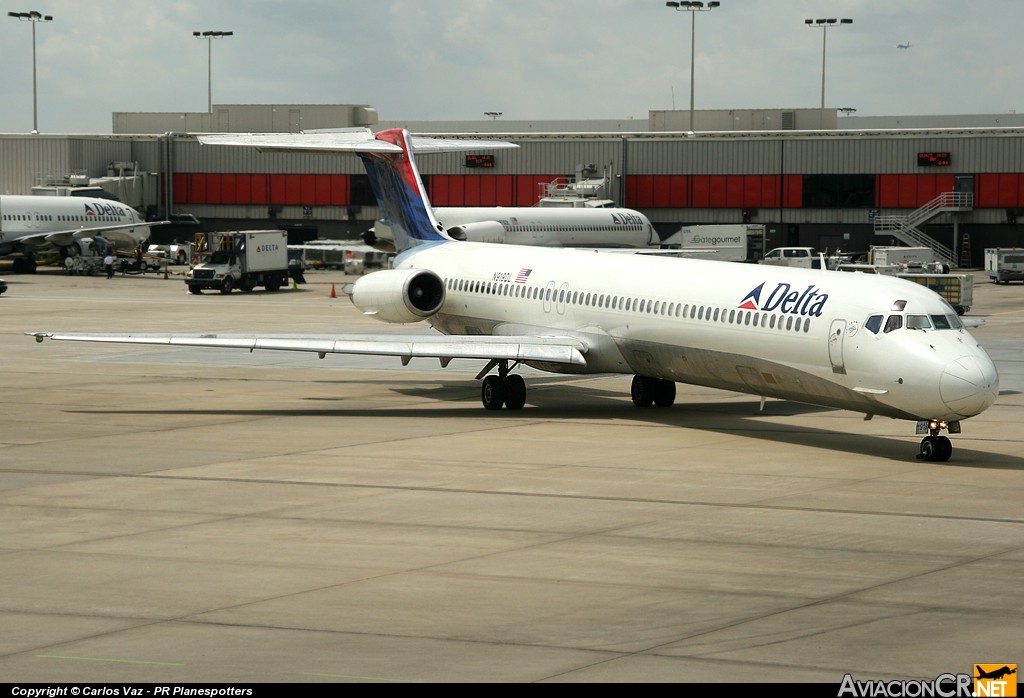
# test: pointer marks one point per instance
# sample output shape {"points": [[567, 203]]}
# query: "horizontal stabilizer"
{"points": [[346, 141]]}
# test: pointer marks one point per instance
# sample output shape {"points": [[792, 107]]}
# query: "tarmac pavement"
{"points": [[192, 515]]}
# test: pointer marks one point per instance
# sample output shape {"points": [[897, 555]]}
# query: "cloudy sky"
{"points": [[556, 59]]}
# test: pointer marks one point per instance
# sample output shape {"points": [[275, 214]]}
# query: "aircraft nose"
{"points": [[969, 385]]}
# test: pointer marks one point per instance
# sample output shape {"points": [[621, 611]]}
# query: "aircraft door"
{"points": [[963, 184], [835, 345], [563, 293], [548, 297]]}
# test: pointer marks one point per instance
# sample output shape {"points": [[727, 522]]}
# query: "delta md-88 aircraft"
{"points": [[869, 343], [33, 224]]}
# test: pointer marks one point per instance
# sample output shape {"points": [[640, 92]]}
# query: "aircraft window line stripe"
{"points": [[701, 313]]}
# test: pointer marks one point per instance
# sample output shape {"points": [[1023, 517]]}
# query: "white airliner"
{"points": [[33, 224], [534, 225], [874, 344]]}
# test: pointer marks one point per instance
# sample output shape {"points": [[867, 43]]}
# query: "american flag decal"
{"points": [[523, 276]]}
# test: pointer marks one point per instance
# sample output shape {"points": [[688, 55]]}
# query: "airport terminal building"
{"points": [[812, 178]]}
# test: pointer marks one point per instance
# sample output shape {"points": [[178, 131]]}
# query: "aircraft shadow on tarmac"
{"points": [[550, 398]]}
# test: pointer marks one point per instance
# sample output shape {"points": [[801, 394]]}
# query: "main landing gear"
{"points": [[652, 391], [935, 447], [505, 389], [509, 389]]}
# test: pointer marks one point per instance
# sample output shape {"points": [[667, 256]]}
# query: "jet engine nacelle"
{"points": [[483, 231], [399, 295]]}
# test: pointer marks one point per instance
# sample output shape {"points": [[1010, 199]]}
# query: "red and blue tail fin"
{"points": [[400, 193], [389, 162]]}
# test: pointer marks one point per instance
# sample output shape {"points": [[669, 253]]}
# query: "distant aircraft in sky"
{"points": [[906, 45]]}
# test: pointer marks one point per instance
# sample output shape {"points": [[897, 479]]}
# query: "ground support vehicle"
{"points": [[805, 257], [1004, 264], [957, 289], [244, 259], [738, 242]]}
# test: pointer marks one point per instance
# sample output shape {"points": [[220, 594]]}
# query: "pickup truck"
{"points": [[793, 257]]}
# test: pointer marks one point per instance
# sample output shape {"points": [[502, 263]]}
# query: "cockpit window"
{"points": [[918, 322], [874, 324], [894, 323], [941, 322], [898, 307]]}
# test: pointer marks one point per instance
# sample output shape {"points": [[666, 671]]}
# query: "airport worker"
{"points": [[108, 262], [295, 270]]}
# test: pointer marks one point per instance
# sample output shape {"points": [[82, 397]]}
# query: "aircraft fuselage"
{"points": [[795, 334]]}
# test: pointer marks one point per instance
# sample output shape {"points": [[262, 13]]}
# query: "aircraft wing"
{"points": [[63, 238], [346, 141], [559, 350]]}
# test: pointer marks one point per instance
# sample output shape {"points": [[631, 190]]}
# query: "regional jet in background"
{"points": [[874, 344], [30, 225], [906, 45], [615, 228]]}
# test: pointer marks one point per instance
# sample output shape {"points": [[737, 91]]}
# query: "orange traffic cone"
{"points": [[333, 294]]}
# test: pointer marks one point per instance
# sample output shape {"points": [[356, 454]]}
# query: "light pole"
{"points": [[35, 18], [824, 25], [693, 8], [210, 36]]}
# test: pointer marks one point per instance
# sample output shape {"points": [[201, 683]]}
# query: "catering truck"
{"points": [[244, 259], [739, 242]]}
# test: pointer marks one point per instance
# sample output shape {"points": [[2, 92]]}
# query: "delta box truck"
{"points": [[244, 260]]}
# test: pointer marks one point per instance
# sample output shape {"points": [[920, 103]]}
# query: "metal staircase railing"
{"points": [[905, 227]]}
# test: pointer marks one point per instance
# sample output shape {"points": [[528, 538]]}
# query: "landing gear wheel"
{"points": [[492, 393], [642, 391], [935, 448], [515, 392]]}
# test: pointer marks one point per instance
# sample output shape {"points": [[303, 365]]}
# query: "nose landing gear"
{"points": [[935, 447]]}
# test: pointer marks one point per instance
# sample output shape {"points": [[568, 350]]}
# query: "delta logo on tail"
{"points": [[810, 302]]}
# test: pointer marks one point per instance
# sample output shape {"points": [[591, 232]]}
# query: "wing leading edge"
{"points": [[558, 350]]}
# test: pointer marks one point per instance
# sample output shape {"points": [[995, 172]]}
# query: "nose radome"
{"points": [[969, 385]]}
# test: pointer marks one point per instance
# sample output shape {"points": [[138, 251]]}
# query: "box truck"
{"points": [[244, 260], [740, 242]]}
